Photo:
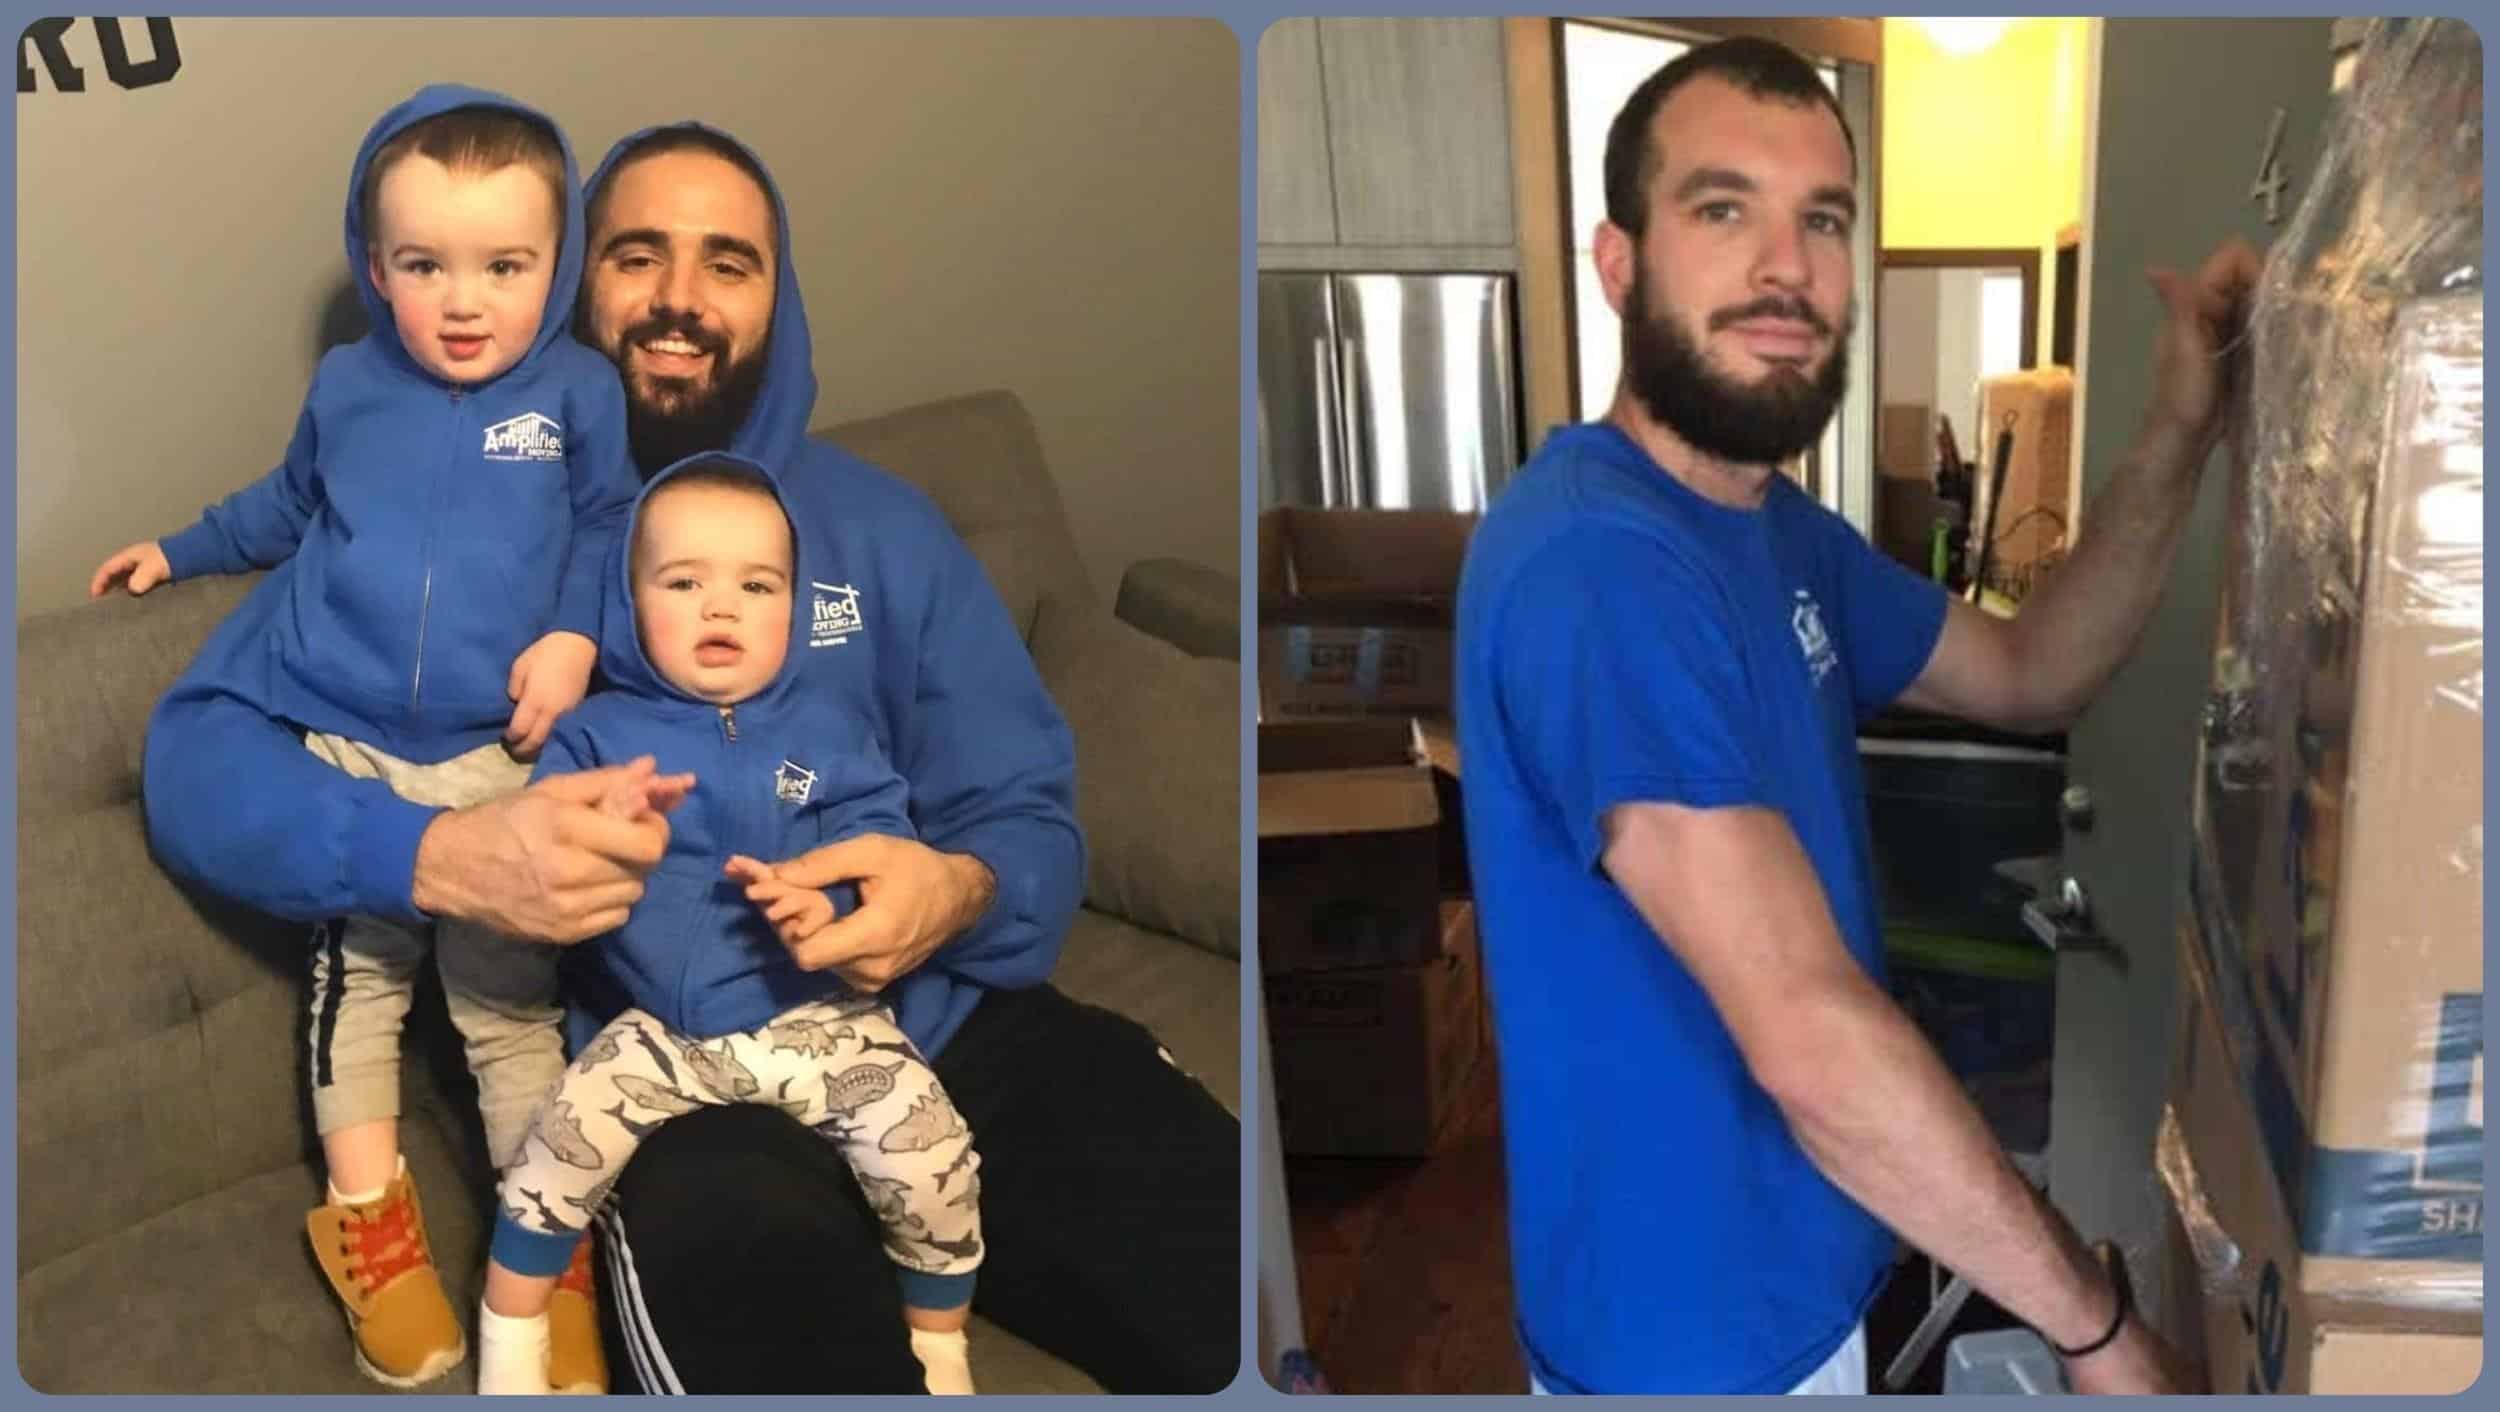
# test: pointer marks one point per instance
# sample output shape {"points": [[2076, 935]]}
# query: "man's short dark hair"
{"points": [[1758, 66], [682, 138]]}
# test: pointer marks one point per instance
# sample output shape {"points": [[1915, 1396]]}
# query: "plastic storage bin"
{"points": [[2001, 1361]]}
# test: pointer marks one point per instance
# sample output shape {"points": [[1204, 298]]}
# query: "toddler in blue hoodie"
{"points": [[437, 531], [702, 1000]]}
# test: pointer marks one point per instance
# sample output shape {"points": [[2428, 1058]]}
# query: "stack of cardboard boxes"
{"points": [[1367, 946], [2324, 1147]]}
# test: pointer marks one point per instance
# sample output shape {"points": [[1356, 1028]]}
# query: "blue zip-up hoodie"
{"points": [[782, 772], [914, 643], [426, 533]]}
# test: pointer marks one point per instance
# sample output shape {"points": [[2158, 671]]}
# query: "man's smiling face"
{"points": [[679, 294]]}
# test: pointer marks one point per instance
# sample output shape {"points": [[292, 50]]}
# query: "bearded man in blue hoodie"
{"points": [[741, 1254]]}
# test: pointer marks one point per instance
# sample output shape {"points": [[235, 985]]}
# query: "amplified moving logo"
{"points": [[45, 38], [793, 782], [531, 436], [834, 616]]}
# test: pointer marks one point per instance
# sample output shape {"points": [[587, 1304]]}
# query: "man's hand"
{"points": [[796, 913], [548, 863], [912, 900], [143, 563], [2138, 1360], [2207, 314], [548, 679]]}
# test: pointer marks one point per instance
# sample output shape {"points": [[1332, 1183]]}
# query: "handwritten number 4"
{"points": [[2271, 183]]}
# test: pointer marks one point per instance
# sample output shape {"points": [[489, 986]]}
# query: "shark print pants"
{"points": [[842, 1067]]}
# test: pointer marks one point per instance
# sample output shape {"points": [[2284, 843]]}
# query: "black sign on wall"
{"points": [[45, 40]]}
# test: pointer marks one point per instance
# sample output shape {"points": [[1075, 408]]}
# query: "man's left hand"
{"points": [[2206, 315], [913, 899]]}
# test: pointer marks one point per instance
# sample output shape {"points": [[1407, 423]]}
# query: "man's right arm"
{"points": [[1736, 899], [236, 805]]}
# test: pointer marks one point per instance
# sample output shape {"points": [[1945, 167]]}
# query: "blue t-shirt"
{"points": [[1623, 639]]}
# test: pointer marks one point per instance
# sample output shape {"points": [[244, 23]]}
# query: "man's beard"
{"points": [[669, 419], [1758, 424]]}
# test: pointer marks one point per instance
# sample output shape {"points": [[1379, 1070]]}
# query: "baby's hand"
{"points": [[144, 563], [796, 913], [654, 794], [547, 680]]}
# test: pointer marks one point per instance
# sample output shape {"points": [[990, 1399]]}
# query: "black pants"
{"points": [[1110, 1197]]}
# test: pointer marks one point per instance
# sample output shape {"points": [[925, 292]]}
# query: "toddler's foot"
{"points": [[946, 1359], [511, 1354], [373, 1250]]}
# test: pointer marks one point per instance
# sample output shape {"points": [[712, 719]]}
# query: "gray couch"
{"points": [[164, 1136]]}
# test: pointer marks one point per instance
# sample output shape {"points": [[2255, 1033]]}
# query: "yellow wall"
{"points": [[1985, 150]]}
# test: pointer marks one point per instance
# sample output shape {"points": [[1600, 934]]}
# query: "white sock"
{"points": [[511, 1353], [946, 1359], [359, 1198]]}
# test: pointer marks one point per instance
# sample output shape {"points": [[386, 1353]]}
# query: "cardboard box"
{"points": [[1349, 846], [2337, 886], [1370, 1063], [2276, 1341], [2177, 1313], [2032, 516], [1905, 441], [2276, 1318], [2338, 1225], [1357, 610]]}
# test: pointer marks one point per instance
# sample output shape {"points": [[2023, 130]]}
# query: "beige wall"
{"points": [[1051, 206]]}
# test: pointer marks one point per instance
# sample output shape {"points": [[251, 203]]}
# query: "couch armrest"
{"points": [[1158, 771], [1187, 604]]}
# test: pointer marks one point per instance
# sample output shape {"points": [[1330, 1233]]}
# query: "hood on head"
{"points": [[433, 101], [777, 423], [621, 656]]}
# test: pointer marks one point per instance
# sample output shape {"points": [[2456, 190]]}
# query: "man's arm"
{"points": [[236, 805], [1735, 898], [2036, 671]]}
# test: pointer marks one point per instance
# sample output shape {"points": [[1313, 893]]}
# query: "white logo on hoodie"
{"points": [[792, 783], [835, 614], [531, 436]]}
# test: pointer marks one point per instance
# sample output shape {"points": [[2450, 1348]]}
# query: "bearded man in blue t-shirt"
{"points": [[1717, 1121]]}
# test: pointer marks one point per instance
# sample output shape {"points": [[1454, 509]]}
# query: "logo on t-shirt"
{"points": [[531, 436], [835, 615], [792, 783], [1811, 639]]}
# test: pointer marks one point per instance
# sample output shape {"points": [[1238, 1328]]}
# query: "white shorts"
{"points": [[1844, 1373]]}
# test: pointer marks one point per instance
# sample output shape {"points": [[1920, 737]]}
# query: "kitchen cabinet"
{"points": [[1297, 204], [1384, 142]]}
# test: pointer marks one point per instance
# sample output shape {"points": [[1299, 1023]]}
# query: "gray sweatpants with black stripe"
{"points": [[501, 991]]}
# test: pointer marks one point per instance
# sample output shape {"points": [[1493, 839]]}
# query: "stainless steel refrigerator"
{"points": [[1386, 391]]}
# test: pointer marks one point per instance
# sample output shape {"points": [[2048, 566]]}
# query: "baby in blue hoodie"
{"points": [[437, 532], [701, 999]]}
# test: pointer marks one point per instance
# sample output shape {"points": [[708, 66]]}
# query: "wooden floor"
{"points": [[1404, 1266]]}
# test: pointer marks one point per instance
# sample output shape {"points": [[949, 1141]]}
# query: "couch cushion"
{"points": [[1158, 757], [93, 675], [1189, 999], [978, 457], [1195, 608], [156, 1041], [220, 1294]]}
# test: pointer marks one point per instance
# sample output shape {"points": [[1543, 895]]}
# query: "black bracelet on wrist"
{"points": [[2126, 1306]]}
